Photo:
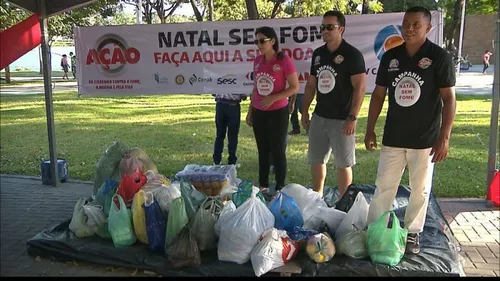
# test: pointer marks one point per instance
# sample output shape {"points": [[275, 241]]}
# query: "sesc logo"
{"points": [[112, 54], [386, 39], [227, 80]]}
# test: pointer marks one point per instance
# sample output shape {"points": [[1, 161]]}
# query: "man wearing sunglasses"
{"points": [[337, 80]]}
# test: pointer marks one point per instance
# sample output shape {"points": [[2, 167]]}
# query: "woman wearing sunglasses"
{"points": [[268, 113]]}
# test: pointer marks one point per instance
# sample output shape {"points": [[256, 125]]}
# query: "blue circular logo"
{"points": [[387, 38]]}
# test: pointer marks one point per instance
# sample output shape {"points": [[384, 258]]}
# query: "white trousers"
{"points": [[391, 166]]}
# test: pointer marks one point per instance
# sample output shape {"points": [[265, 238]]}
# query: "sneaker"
{"points": [[412, 244], [273, 170], [294, 132]]}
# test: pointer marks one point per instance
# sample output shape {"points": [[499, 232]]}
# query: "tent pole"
{"points": [[495, 101], [47, 72]]}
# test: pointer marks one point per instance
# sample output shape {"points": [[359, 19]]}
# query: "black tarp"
{"points": [[439, 250]]}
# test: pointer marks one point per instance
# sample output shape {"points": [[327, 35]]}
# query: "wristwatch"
{"points": [[351, 117]]}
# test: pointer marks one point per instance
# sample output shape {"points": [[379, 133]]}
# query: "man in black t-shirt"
{"points": [[420, 78], [338, 75]]}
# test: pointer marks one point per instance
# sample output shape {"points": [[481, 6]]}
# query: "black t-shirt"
{"points": [[413, 83], [333, 71]]}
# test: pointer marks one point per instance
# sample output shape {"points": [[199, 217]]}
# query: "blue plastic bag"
{"points": [[286, 212], [300, 234], [156, 226]]}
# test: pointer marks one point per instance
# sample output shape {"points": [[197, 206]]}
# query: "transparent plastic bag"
{"points": [[356, 216], [386, 245], [183, 251], [78, 224], [95, 216], [192, 198], [224, 216], [203, 225], [353, 244], [244, 192], [165, 195]]}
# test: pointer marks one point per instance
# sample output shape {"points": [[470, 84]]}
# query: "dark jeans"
{"points": [[270, 129], [227, 119], [485, 66], [294, 117]]}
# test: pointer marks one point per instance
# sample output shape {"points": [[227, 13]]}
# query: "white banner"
{"points": [[216, 57]]}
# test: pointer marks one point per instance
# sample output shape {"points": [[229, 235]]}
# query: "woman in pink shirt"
{"points": [[268, 113]]}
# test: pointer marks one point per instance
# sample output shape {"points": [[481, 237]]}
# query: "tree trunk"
{"points": [[253, 12], [451, 31], [40, 60], [7, 74], [211, 10], [197, 13], [364, 8], [276, 9]]}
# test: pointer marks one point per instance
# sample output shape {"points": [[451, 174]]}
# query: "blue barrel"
{"points": [[62, 170]]}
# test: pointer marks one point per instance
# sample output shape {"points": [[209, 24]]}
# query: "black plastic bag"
{"points": [[184, 251], [345, 203]]}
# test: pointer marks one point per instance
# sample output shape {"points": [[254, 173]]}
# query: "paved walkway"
{"points": [[28, 207]]}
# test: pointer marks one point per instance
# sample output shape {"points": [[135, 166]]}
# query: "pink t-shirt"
{"points": [[270, 78]]}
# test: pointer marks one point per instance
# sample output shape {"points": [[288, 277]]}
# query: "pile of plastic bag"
{"points": [[133, 203]]}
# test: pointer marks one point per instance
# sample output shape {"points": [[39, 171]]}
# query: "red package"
{"points": [[130, 185]]}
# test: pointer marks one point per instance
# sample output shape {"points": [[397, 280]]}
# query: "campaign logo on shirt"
{"points": [[256, 67], [276, 68], [265, 83], [317, 60], [338, 59], [407, 88], [326, 79], [424, 63], [393, 65]]}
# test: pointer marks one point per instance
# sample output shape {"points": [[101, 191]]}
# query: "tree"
{"points": [[392, 6], [482, 7], [10, 15]]}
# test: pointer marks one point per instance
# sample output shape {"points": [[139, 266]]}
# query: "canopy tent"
{"points": [[46, 8]]}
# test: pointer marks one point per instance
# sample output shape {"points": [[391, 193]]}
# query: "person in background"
{"points": [[73, 64], [269, 113], [486, 60], [295, 104], [419, 77], [338, 81], [227, 119], [65, 66]]}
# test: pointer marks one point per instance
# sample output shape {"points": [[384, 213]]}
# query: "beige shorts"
{"points": [[325, 136]]}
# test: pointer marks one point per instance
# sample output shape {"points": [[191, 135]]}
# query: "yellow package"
{"points": [[139, 217]]}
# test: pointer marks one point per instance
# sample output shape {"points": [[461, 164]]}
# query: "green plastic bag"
{"points": [[386, 245], [109, 192], [244, 192], [192, 198], [120, 223], [107, 166], [177, 219]]}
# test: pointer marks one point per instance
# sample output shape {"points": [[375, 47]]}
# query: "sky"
{"points": [[184, 9]]}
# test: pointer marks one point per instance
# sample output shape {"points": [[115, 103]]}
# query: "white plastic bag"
{"points": [[165, 195], [203, 227], [356, 216], [95, 216], [224, 217], [274, 250], [331, 216], [242, 230], [308, 201]]}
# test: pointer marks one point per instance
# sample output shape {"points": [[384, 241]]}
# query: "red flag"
{"points": [[19, 39]]}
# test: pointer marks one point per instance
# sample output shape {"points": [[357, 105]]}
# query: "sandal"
{"points": [[264, 190]]}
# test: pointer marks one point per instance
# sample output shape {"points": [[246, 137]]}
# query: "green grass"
{"points": [[177, 130]]}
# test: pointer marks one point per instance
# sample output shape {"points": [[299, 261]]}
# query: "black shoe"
{"points": [[294, 132], [412, 244]]}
